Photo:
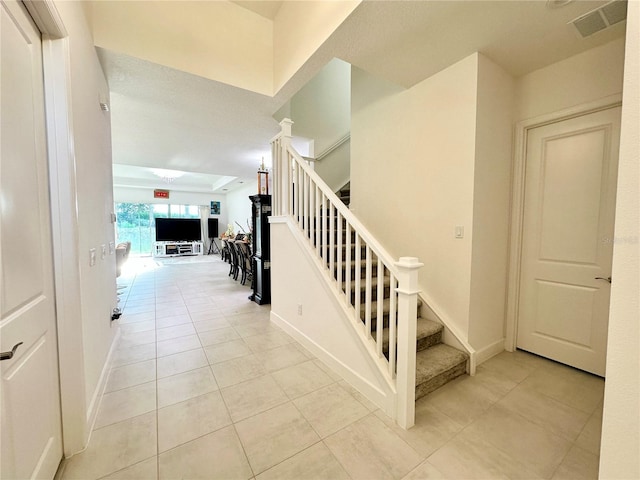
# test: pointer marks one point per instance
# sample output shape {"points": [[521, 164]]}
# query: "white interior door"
{"points": [[570, 188], [30, 399]]}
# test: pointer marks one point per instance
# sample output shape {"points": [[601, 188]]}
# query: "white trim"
{"points": [[96, 399], [64, 227], [46, 17], [517, 201], [489, 351]]}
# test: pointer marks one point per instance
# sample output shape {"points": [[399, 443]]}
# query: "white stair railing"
{"points": [[358, 265]]}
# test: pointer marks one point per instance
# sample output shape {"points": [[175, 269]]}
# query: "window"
{"points": [[135, 222]]}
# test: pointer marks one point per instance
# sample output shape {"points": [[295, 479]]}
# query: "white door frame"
{"points": [[64, 223], [517, 201]]}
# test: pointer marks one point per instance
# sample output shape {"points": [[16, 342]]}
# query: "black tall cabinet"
{"points": [[260, 211]]}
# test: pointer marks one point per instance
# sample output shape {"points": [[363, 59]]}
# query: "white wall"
{"points": [[217, 40], [300, 28], [593, 74], [412, 162], [323, 327], [491, 195], [321, 112], [94, 202], [239, 207], [621, 422]]}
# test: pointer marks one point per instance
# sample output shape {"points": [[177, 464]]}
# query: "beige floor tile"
{"points": [[213, 324], [330, 409], [358, 396], [231, 307], [131, 375], [259, 317], [177, 345], [201, 307], [579, 464], [368, 449], [113, 448], [218, 455], [252, 397], [471, 457], [252, 327], [188, 420], [138, 338], [211, 314], [175, 331], [267, 341], [431, 430], [128, 328], [274, 436], [227, 351], [219, 335], [140, 317], [181, 362], [301, 379], [163, 303], [172, 321], [462, 400], [146, 470], [137, 309], [237, 370], [425, 471], [199, 299], [507, 364], [521, 439], [315, 463], [567, 385], [129, 355], [326, 369], [550, 414], [589, 438], [281, 357], [126, 403], [184, 386]]}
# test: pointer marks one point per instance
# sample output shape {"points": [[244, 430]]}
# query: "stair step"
{"points": [[429, 333], [436, 366], [386, 305]]}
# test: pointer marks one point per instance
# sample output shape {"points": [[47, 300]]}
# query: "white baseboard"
{"points": [[489, 351], [371, 392], [92, 411]]}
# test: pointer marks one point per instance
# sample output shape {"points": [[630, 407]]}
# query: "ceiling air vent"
{"points": [[601, 18]]}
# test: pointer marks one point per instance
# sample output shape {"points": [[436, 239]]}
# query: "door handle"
{"points": [[608, 279], [9, 355]]}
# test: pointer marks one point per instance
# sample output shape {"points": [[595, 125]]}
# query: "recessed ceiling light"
{"points": [[240, 181]]}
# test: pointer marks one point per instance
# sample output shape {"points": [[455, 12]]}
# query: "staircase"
{"points": [[344, 194], [436, 363], [377, 292]]}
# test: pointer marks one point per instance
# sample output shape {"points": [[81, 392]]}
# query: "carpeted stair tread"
{"points": [[428, 333], [436, 366]]}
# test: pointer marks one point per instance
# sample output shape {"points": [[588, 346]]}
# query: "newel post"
{"points": [[407, 324], [285, 169]]}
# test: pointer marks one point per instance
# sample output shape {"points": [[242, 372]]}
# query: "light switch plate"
{"points": [[92, 257], [112, 248], [459, 231], [103, 251]]}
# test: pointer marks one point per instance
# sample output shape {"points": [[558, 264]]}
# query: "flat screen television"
{"points": [[178, 230]]}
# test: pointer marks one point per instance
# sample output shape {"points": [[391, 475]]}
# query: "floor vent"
{"points": [[601, 18]]}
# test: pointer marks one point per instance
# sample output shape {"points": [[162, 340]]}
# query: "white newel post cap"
{"points": [[285, 124], [408, 279]]}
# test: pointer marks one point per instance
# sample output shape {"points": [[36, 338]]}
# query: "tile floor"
{"points": [[204, 387]]}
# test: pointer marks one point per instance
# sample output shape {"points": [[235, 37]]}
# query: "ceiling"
{"points": [[165, 118]]}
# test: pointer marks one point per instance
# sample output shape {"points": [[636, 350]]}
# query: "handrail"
{"points": [[366, 235]]}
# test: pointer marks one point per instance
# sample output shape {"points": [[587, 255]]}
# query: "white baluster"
{"points": [[407, 331]]}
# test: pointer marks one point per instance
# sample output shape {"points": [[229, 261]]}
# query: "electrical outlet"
{"points": [[459, 231], [299, 309], [92, 257], [103, 251]]}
